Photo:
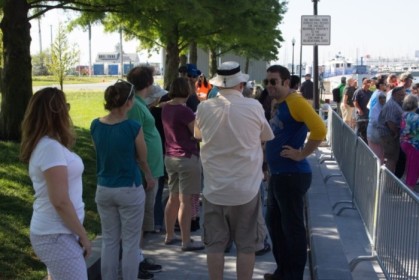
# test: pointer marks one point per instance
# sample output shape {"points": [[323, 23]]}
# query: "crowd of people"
{"points": [[383, 112], [219, 141]]}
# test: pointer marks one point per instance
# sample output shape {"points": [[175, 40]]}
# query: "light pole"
{"points": [[293, 44], [301, 54], [316, 66]]}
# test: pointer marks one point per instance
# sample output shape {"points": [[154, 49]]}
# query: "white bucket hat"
{"points": [[229, 75], [156, 93]]}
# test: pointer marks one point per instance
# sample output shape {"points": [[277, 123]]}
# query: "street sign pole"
{"points": [[316, 67], [315, 31]]}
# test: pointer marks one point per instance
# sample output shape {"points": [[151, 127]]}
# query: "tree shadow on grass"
{"points": [[17, 260]]}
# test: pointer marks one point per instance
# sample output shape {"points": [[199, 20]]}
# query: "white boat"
{"points": [[338, 66]]}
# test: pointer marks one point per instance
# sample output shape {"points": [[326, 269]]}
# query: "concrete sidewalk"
{"points": [[178, 265], [334, 240]]}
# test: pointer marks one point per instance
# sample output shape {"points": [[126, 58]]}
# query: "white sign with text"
{"points": [[315, 30]]}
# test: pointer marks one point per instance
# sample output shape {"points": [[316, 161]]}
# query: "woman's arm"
{"points": [[142, 159], [191, 127], [57, 184]]}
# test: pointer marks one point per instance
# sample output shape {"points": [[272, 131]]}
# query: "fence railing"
{"points": [[397, 241], [388, 208]]}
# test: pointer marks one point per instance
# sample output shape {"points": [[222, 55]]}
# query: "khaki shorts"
{"points": [[391, 147], [347, 113], [184, 174], [238, 223]]}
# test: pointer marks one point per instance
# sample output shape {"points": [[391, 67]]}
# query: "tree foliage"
{"points": [[251, 31], [246, 27], [63, 56], [16, 78], [168, 24]]}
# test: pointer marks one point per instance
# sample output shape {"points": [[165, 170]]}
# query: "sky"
{"points": [[378, 28], [101, 41]]}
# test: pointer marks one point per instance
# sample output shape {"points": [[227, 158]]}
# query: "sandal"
{"points": [[193, 246], [174, 240]]}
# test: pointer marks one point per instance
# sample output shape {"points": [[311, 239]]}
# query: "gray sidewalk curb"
{"points": [[328, 259]]}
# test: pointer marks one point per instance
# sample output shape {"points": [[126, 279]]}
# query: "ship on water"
{"points": [[330, 73], [342, 66]]}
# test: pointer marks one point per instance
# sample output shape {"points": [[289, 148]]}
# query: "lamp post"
{"points": [[301, 53], [315, 66], [293, 44]]}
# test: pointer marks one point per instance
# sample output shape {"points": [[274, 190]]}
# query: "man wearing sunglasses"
{"points": [[291, 119]]}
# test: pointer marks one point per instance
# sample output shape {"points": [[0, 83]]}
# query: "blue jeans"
{"points": [[285, 221], [121, 213]]}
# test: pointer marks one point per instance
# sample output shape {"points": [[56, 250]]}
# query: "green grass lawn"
{"points": [[50, 80], [17, 260]]}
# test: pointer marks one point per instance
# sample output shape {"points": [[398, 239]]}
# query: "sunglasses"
{"points": [[132, 90], [266, 82]]}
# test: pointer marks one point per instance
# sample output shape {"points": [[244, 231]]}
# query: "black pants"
{"points": [[400, 165], [285, 221], [361, 129]]}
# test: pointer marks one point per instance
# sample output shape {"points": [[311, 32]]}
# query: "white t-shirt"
{"points": [[50, 153], [232, 129]]}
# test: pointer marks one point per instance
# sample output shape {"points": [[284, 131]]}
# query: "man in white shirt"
{"points": [[231, 128]]}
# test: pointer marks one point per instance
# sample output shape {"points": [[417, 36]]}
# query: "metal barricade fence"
{"points": [[397, 241], [326, 116], [348, 142], [329, 123], [388, 208], [344, 143], [366, 182], [336, 127]]}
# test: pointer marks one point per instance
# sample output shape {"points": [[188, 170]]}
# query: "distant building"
{"points": [[257, 68], [110, 63]]}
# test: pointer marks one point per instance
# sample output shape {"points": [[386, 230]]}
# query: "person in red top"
{"points": [[202, 87]]}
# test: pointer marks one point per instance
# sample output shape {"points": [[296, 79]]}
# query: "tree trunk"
{"points": [[183, 59], [172, 63], [246, 66], [193, 53], [17, 68], [213, 62]]}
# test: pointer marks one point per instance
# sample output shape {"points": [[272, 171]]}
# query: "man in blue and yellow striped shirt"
{"points": [[292, 118]]}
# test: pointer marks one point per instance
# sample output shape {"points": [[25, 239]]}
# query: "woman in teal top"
{"points": [[120, 196]]}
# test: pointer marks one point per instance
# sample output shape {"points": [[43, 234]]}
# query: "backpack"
{"points": [[350, 92], [336, 95]]}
